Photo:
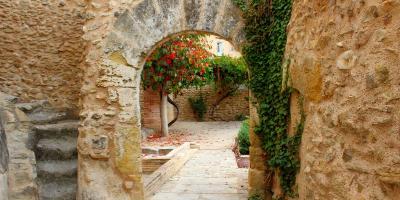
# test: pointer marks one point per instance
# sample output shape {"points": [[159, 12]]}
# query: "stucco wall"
{"points": [[41, 48], [227, 47], [345, 62]]}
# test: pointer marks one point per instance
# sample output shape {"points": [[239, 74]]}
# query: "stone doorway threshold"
{"points": [[177, 159]]}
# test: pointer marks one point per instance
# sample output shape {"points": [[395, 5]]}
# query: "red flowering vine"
{"points": [[179, 63]]}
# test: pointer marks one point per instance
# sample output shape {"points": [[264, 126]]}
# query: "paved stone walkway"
{"points": [[212, 173]]}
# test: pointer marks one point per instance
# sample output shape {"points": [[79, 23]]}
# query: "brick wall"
{"points": [[228, 110], [150, 109]]}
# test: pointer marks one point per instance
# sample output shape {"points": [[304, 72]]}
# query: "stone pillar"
{"points": [[109, 153], [259, 176]]}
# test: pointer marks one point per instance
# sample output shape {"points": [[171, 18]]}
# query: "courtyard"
{"points": [[212, 172], [90, 91]]}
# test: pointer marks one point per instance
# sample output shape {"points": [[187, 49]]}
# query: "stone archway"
{"points": [[120, 34]]}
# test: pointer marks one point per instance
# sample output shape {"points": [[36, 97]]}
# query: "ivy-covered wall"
{"points": [[265, 28], [335, 64]]}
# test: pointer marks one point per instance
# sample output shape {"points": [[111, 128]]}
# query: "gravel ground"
{"points": [[208, 135]]}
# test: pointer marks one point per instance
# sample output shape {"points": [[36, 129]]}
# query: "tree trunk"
{"points": [[177, 111], [164, 114]]}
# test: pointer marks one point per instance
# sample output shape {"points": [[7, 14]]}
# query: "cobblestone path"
{"points": [[212, 173]]}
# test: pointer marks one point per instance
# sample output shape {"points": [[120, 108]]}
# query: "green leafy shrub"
{"points": [[199, 106], [240, 117], [229, 72], [244, 138], [255, 197]]}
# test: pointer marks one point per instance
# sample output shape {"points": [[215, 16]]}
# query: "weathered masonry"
{"points": [[120, 36], [86, 57]]}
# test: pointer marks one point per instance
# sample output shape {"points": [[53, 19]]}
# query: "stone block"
{"points": [[347, 60], [21, 116], [257, 158], [126, 97], [192, 12], [257, 181], [212, 9], [117, 76], [307, 78]]}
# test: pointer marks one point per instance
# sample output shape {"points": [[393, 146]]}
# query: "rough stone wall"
{"points": [[345, 62], [119, 36], [41, 48], [22, 163], [228, 110]]}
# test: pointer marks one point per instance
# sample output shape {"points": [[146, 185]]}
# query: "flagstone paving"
{"points": [[212, 173]]}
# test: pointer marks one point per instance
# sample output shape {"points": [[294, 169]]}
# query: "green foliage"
{"points": [[244, 138], [241, 4], [199, 106], [229, 73], [255, 197], [240, 117], [265, 28]]}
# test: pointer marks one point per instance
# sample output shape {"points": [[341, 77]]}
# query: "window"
{"points": [[220, 48]]}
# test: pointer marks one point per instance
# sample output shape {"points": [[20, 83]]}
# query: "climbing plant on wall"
{"points": [[229, 75], [266, 22]]}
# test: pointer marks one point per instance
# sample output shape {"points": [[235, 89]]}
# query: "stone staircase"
{"points": [[56, 157], [55, 150]]}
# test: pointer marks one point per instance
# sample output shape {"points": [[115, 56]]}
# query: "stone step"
{"points": [[33, 106], [62, 189], [45, 117], [63, 148], [55, 169], [22, 193], [60, 129]]}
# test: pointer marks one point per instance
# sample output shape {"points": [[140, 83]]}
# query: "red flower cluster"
{"points": [[176, 64], [172, 56]]}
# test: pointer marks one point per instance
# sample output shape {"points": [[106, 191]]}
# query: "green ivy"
{"points": [[266, 22], [229, 73], [255, 197], [199, 106]]}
